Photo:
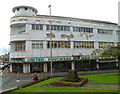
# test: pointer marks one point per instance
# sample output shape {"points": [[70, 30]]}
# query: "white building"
{"points": [[30, 40]]}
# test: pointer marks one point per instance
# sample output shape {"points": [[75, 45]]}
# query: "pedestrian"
{"points": [[35, 77]]}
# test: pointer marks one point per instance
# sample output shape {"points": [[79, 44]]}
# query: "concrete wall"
{"points": [[30, 35]]}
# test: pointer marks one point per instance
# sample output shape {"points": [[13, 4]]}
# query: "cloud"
{"points": [[4, 50]]}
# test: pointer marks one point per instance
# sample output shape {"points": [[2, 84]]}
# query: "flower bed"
{"points": [[80, 83]]}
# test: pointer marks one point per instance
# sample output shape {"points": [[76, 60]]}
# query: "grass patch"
{"points": [[95, 78], [106, 78]]}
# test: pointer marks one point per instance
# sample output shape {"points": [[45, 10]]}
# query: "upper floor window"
{"points": [[104, 31], [25, 8], [83, 29], [37, 44], [105, 44], [83, 44], [58, 28], [20, 46], [17, 9], [37, 27], [118, 33], [59, 44], [17, 29], [20, 29]]}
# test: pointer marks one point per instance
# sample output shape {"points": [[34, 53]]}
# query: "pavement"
{"points": [[11, 80], [14, 80]]}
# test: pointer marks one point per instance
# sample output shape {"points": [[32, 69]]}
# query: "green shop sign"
{"points": [[92, 57], [16, 60], [57, 58], [60, 59], [35, 59], [49, 59]]}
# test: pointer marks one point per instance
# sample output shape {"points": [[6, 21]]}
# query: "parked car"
{"points": [[4, 65]]}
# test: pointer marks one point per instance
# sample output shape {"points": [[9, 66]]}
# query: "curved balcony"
{"points": [[21, 36], [21, 54], [19, 20]]}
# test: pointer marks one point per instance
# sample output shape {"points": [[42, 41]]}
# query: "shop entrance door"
{"points": [[37, 67]]}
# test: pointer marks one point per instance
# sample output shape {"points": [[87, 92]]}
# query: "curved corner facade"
{"points": [[24, 11], [30, 41]]}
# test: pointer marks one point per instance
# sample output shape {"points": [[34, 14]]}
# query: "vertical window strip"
{"points": [[83, 29], [37, 27], [58, 28]]}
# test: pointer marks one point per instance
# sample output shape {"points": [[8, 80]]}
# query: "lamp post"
{"points": [[50, 40]]}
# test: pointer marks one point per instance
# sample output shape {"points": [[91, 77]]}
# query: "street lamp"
{"points": [[50, 40]]}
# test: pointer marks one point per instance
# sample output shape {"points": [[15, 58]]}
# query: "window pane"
{"points": [[33, 26], [37, 27], [37, 45], [20, 46]]}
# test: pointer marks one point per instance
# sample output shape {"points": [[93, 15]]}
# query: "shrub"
{"points": [[72, 76]]}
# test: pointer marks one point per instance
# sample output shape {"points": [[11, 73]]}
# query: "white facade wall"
{"points": [[29, 35]]}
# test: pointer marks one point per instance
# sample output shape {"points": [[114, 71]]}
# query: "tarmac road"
{"points": [[8, 82]]}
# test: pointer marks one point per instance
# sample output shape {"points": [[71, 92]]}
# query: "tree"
{"points": [[96, 52], [112, 51]]}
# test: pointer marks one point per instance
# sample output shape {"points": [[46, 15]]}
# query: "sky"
{"points": [[105, 10]]}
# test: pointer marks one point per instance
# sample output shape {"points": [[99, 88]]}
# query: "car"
{"points": [[4, 65]]}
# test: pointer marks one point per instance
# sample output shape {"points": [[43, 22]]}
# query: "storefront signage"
{"points": [[18, 60], [49, 59], [56, 59], [88, 57], [60, 59], [35, 59], [43, 59]]}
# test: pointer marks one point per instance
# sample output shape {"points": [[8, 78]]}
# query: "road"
{"points": [[7, 82]]}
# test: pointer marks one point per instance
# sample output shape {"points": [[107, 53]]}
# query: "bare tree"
{"points": [[112, 51]]}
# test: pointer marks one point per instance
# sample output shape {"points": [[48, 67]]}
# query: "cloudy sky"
{"points": [[105, 10]]}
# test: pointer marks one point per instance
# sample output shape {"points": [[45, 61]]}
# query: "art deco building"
{"points": [[30, 42]]}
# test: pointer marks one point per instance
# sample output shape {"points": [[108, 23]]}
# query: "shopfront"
{"points": [[108, 65], [36, 67], [85, 65], [17, 67], [60, 66]]}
